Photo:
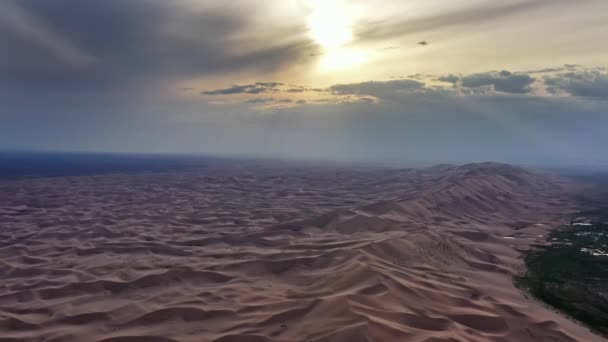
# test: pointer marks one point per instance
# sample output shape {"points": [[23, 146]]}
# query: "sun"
{"points": [[329, 23]]}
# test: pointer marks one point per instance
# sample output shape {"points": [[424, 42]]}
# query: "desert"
{"points": [[246, 251]]}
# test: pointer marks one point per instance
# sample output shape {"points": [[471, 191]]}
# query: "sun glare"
{"points": [[329, 23], [342, 58]]}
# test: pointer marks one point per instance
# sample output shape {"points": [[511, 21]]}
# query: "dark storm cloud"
{"points": [[590, 84], [387, 29], [503, 81], [70, 43]]}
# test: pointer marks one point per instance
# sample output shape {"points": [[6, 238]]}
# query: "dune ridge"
{"points": [[251, 253]]}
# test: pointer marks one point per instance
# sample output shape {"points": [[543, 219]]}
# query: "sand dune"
{"points": [[247, 254]]}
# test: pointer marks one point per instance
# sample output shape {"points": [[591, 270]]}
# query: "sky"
{"points": [[522, 81]]}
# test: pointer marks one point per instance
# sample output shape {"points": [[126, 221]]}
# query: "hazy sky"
{"points": [[442, 80]]}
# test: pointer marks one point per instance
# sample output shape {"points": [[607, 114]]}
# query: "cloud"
{"points": [[493, 82], [23, 26], [375, 88], [268, 101], [590, 84], [261, 100], [449, 78], [503, 81], [264, 87], [488, 12], [545, 70], [269, 84], [256, 88], [120, 44]]}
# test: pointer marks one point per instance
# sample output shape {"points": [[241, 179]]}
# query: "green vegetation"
{"points": [[572, 274]]}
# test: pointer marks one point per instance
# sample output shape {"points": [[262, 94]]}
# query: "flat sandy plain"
{"points": [[279, 252]]}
